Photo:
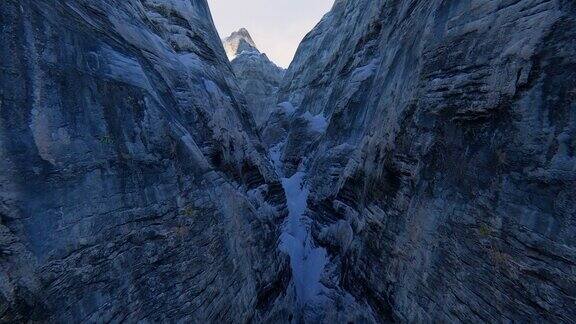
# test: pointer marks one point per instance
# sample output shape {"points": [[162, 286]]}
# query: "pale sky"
{"points": [[277, 26]]}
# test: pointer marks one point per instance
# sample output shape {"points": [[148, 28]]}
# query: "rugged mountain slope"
{"points": [[258, 78], [132, 183], [439, 140]]}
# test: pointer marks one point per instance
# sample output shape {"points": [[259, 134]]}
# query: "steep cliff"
{"points": [[133, 186], [421, 165], [258, 78], [437, 140]]}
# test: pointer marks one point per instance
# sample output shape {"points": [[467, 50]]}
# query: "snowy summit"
{"points": [[238, 42]]}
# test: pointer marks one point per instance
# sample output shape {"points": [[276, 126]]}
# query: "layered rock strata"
{"points": [[439, 139], [133, 185]]}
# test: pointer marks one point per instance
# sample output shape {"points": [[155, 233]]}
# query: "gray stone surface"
{"points": [[443, 185], [438, 140], [133, 185]]}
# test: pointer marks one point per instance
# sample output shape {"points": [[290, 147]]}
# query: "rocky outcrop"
{"points": [[133, 186], [258, 78], [439, 139]]}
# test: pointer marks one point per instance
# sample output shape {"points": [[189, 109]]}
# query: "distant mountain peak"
{"points": [[243, 32], [238, 42]]}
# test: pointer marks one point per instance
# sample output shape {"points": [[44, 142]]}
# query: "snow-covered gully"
{"points": [[307, 261]]}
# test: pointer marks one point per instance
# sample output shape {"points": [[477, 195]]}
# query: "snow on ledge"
{"points": [[317, 123]]}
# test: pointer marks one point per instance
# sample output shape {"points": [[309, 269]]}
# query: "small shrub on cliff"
{"points": [[106, 140], [484, 230], [189, 212]]}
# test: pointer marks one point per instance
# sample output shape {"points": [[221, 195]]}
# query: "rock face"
{"points": [[258, 78], [133, 186], [421, 165], [439, 141]]}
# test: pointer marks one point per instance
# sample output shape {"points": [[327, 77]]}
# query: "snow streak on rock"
{"points": [[307, 261]]}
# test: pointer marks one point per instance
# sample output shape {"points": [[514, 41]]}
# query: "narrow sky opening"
{"points": [[277, 26]]}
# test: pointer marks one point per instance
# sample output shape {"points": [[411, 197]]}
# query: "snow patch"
{"points": [[364, 72], [317, 123], [191, 61], [211, 87], [276, 156], [307, 261], [287, 107]]}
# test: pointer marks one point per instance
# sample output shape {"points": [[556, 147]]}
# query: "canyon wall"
{"points": [[439, 141], [415, 164], [133, 185]]}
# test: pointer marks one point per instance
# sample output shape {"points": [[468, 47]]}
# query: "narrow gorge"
{"points": [[415, 163]]}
